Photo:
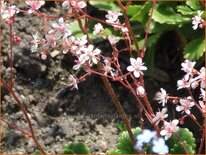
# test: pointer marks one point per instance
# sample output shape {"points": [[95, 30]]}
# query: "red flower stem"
{"points": [[11, 55], [147, 29], [21, 106], [202, 142], [15, 127], [198, 107], [127, 24], [111, 91]]}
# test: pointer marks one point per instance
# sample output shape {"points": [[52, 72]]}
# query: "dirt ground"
{"points": [[59, 115]]}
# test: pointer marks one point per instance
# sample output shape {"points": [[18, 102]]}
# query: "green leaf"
{"points": [[102, 5], [178, 148], [185, 137], [142, 14], [193, 4], [168, 15], [134, 9], [37, 152], [185, 10], [76, 148], [194, 49]]}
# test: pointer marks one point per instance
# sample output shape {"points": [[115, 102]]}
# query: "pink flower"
{"points": [[169, 128], [90, 55], [196, 20], [140, 91], [113, 40], [61, 28], [112, 16], [136, 67], [160, 116], [51, 40], [186, 105], [97, 28], [34, 5], [72, 82], [161, 97]]}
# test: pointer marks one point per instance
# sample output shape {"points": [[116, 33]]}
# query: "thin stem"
{"points": [[11, 55], [147, 29], [127, 24], [21, 106], [111, 91], [15, 127]]}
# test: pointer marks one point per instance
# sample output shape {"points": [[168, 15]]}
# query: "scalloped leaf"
{"points": [[185, 10], [193, 4], [166, 14], [76, 148], [178, 148], [187, 137], [124, 142], [134, 9], [195, 49], [142, 14]]}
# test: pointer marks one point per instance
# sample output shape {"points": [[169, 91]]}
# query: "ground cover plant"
{"points": [[116, 77]]}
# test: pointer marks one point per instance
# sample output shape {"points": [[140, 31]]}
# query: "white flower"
{"points": [[108, 69], [113, 40], [35, 42], [8, 11], [186, 105], [196, 20], [136, 67], [145, 137], [160, 116], [68, 44], [169, 128], [51, 40], [61, 28], [81, 41], [72, 82], [65, 3], [201, 77], [112, 16], [97, 28], [159, 146], [34, 5], [161, 97], [140, 91], [90, 55], [188, 67], [80, 4], [184, 83]]}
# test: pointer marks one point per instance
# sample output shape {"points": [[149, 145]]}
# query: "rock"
{"points": [[12, 138]]}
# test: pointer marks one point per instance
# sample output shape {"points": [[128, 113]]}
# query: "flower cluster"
{"points": [[147, 136], [8, 12], [112, 18], [75, 4]]}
